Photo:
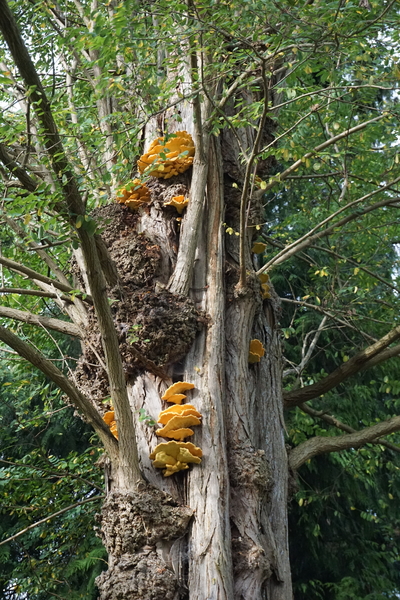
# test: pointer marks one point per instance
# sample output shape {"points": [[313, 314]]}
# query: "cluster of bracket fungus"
{"points": [[178, 202], [266, 289], [256, 351], [174, 456], [166, 158], [134, 195], [109, 419]]}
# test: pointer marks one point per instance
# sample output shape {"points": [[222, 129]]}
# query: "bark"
{"points": [[236, 545]]}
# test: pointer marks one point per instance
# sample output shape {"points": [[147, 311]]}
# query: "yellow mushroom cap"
{"points": [[176, 398], [113, 429], [263, 277], [175, 468], [175, 456], [177, 434], [256, 351], [177, 388], [176, 409], [258, 248], [192, 449], [266, 290], [109, 417], [173, 449], [164, 418], [178, 202], [137, 194], [162, 459], [177, 422], [166, 159]]}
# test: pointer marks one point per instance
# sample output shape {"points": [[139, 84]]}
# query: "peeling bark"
{"points": [[235, 547]]}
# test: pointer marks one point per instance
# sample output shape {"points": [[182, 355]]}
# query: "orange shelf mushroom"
{"points": [[266, 290], [166, 159], [178, 202], [176, 398], [179, 423], [175, 456], [173, 411], [173, 393], [109, 419], [256, 351], [134, 197], [177, 434], [266, 293], [258, 247]]}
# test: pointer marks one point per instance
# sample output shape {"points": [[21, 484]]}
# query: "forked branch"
{"points": [[346, 370], [80, 401], [323, 445], [331, 420]]}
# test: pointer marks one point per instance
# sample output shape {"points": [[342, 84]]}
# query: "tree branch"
{"points": [[306, 356], [323, 445], [346, 370], [48, 322], [308, 239], [181, 278], [20, 173], [246, 183], [40, 293], [80, 401], [128, 461], [56, 514], [14, 266], [319, 148], [37, 248], [331, 420], [329, 314], [355, 263]]}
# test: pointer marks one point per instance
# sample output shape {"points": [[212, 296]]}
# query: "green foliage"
{"points": [[47, 464]]}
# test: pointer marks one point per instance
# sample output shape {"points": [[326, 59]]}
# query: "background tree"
{"points": [[48, 478], [290, 106]]}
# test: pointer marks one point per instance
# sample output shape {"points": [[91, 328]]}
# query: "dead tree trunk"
{"points": [[220, 531]]}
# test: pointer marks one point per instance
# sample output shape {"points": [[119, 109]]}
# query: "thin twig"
{"points": [[56, 514]]}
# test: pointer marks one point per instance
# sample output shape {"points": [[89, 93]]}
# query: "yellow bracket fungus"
{"points": [[175, 409], [178, 422], [175, 390], [266, 290], [109, 419], [256, 351], [134, 197], [166, 159], [178, 202], [258, 248], [176, 398], [177, 434], [175, 456], [185, 410]]}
